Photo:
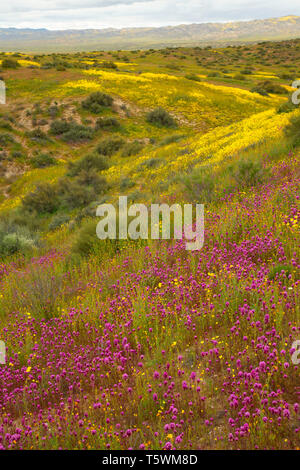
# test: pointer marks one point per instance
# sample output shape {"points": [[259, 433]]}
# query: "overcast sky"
{"points": [[66, 14]]}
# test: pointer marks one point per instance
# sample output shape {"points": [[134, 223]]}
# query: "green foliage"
{"points": [[293, 130], [109, 65], [5, 139], [91, 178], [59, 127], [247, 172], [14, 239], [77, 133], [160, 117], [58, 220], [171, 139], [110, 145], [107, 123], [87, 242], [42, 160], [42, 200], [200, 185], [37, 135], [9, 63], [131, 148], [96, 101], [266, 87], [71, 131], [88, 162], [286, 107], [193, 76]]}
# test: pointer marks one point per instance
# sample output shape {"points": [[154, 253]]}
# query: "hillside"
{"points": [[37, 40], [141, 344]]}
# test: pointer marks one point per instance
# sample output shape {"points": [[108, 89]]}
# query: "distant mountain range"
{"points": [[239, 32]]}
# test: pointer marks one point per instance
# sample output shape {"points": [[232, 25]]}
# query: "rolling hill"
{"points": [[37, 40]]}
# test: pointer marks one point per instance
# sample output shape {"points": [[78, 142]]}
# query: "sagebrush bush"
{"points": [[9, 63], [59, 127], [42, 200], [200, 185], [161, 117], [107, 123], [78, 132], [91, 178], [87, 242], [110, 146], [71, 131], [286, 107], [131, 148], [266, 87], [72, 194], [5, 139], [58, 220], [88, 162], [293, 130], [42, 160], [247, 172], [15, 240], [96, 101], [37, 135]]}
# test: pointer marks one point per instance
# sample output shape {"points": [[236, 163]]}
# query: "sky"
{"points": [[80, 14]]}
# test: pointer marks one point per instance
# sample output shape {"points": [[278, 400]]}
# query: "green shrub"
{"points": [[126, 183], [109, 65], [58, 220], [151, 163], [92, 179], [266, 87], [171, 139], [72, 194], [71, 131], [5, 139], [86, 239], [239, 76], [293, 130], [107, 123], [161, 117], [87, 242], [59, 127], [37, 135], [53, 111], [193, 76], [42, 160], [200, 185], [96, 101], [88, 162], [10, 63], [78, 133], [14, 242], [286, 107], [110, 145], [132, 148], [42, 200], [248, 173]]}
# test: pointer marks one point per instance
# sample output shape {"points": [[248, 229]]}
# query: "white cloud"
{"points": [[67, 14]]}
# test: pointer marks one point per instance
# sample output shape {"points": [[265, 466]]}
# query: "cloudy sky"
{"points": [[66, 14]]}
